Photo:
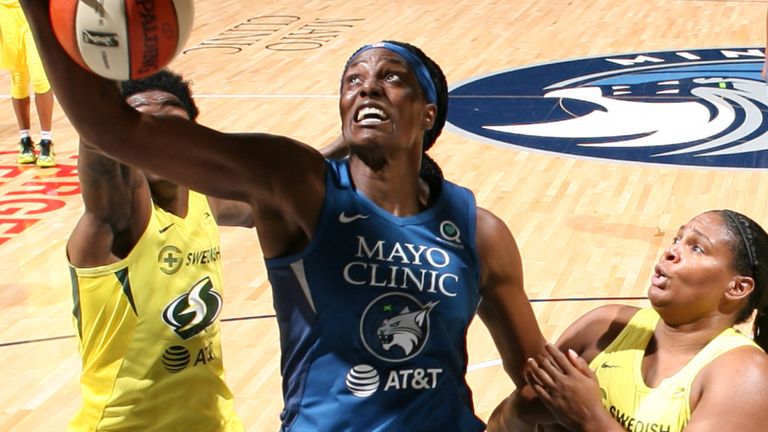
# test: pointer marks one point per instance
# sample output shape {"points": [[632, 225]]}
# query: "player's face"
{"points": [[695, 270], [382, 103]]}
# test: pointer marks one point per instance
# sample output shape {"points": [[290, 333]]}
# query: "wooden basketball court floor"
{"points": [[589, 230]]}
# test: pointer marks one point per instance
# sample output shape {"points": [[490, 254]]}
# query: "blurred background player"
{"points": [[19, 56]]}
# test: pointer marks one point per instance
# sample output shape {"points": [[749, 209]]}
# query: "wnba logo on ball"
{"points": [[684, 107], [100, 39]]}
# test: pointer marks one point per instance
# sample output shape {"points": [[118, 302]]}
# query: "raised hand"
{"points": [[569, 389]]}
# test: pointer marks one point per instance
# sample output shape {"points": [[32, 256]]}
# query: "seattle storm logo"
{"points": [[695, 107], [395, 327], [195, 310]]}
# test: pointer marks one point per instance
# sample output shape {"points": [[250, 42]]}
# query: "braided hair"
{"points": [[750, 252], [429, 167], [166, 81]]}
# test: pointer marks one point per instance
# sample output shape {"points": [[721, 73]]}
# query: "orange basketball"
{"points": [[122, 39]]}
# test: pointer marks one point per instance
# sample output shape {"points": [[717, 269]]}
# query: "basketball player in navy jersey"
{"points": [[376, 273]]}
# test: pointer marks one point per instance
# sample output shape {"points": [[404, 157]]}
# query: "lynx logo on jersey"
{"points": [[190, 313], [684, 107], [395, 327]]}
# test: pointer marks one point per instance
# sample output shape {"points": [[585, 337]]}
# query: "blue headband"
{"points": [[419, 68]]}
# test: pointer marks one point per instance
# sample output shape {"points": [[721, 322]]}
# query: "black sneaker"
{"points": [[46, 158], [26, 152]]}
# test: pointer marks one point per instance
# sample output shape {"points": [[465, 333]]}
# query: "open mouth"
{"points": [[659, 278], [369, 115]]}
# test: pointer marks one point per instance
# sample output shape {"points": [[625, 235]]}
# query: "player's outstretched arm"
{"points": [[505, 308], [232, 213], [276, 173], [117, 207]]}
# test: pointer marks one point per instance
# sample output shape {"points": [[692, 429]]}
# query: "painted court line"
{"points": [[247, 318]]}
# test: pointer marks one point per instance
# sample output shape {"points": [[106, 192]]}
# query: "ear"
{"points": [[740, 288], [430, 114]]}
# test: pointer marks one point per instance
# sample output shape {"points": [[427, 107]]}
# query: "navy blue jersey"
{"points": [[373, 315]]}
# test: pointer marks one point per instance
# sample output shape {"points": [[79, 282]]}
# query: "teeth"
{"points": [[370, 112]]}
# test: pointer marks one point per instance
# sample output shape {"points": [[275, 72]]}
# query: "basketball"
{"points": [[122, 39]]}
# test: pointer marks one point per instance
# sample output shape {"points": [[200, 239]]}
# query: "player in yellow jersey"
{"points": [[678, 366], [147, 287], [19, 56]]}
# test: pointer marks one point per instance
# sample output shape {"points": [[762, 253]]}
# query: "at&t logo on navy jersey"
{"points": [[683, 107], [394, 328]]}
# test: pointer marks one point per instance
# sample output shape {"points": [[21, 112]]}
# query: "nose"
{"points": [[370, 87], [671, 253]]}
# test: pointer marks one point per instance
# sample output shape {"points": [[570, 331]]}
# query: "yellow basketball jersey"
{"points": [[630, 401], [149, 332]]}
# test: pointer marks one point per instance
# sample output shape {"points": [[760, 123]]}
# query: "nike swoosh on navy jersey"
{"points": [[344, 218]]}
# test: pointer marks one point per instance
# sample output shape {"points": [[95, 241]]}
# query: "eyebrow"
{"points": [[389, 58], [697, 232]]}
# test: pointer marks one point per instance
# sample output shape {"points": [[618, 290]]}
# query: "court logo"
{"points": [[702, 108], [395, 327], [191, 312]]}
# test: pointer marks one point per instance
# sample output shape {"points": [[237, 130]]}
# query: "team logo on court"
{"points": [[685, 107], [190, 313], [395, 327]]}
